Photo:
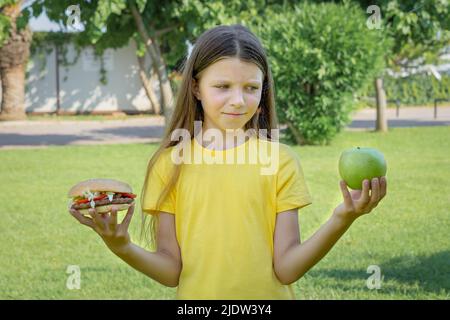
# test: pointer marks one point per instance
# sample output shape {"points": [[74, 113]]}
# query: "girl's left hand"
{"points": [[359, 202]]}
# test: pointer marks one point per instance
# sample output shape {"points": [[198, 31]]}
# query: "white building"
{"points": [[80, 89]]}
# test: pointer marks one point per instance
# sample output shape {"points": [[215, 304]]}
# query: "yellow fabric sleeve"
{"points": [[292, 191]]}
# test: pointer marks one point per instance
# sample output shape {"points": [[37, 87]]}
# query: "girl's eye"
{"points": [[226, 87]]}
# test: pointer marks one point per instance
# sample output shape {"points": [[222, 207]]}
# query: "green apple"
{"points": [[358, 164]]}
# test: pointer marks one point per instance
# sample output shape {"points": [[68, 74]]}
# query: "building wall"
{"points": [[80, 86]]}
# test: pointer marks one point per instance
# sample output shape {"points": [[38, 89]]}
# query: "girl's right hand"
{"points": [[115, 236]]}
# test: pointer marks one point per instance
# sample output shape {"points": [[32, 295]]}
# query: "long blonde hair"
{"points": [[234, 41]]}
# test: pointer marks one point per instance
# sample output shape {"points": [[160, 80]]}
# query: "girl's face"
{"points": [[230, 92]]}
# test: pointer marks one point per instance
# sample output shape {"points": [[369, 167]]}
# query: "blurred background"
{"points": [[88, 86]]}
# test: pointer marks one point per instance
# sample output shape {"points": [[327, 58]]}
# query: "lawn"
{"points": [[407, 236]]}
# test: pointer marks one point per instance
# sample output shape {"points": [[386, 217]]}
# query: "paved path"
{"points": [[35, 134], [23, 134], [408, 117]]}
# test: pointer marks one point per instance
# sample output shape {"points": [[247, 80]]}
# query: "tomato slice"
{"points": [[129, 195], [102, 196]]}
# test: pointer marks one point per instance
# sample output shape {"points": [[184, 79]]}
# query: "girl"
{"points": [[227, 231]]}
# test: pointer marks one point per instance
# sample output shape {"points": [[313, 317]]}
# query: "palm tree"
{"points": [[14, 55]]}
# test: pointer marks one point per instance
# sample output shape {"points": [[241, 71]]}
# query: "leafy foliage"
{"points": [[197, 16], [416, 90], [5, 21], [417, 27], [44, 43], [5, 24], [321, 54]]}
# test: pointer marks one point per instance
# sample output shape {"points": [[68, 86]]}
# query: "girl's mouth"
{"points": [[234, 114]]}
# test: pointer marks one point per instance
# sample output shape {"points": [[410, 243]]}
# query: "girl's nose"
{"points": [[238, 98]]}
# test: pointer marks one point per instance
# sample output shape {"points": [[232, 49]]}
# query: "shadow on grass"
{"points": [[431, 273]]}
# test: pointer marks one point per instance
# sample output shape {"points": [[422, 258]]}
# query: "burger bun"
{"points": [[107, 208], [99, 185]]}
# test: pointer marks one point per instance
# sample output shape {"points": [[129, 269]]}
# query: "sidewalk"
{"points": [[38, 134], [23, 134], [408, 117]]}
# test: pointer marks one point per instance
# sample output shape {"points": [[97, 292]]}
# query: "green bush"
{"points": [[417, 90], [320, 55]]}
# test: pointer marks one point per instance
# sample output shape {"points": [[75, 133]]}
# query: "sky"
{"points": [[43, 24]]}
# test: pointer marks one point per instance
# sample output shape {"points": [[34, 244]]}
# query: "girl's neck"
{"points": [[227, 140]]}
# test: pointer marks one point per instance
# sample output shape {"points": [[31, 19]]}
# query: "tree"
{"points": [[160, 29], [323, 64], [15, 39], [113, 24], [157, 59], [419, 29]]}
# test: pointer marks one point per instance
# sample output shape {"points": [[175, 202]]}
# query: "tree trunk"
{"points": [[158, 64], [156, 107], [299, 139], [13, 97], [381, 122], [14, 55], [166, 82]]}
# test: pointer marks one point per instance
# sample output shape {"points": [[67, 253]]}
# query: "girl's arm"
{"points": [[292, 259], [164, 265]]}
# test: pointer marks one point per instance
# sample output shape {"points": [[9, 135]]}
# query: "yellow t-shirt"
{"points": [[225, 218]]}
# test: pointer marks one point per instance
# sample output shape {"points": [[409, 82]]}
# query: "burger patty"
{"points": [[102, 202]]}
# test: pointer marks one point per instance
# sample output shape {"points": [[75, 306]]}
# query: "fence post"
{"points": [[58, 97], [397, 102], [435, 108]]}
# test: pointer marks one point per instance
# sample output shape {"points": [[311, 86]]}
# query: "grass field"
{"points": [[407, 236]]}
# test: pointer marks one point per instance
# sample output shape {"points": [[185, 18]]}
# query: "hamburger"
{"points": [[101, 194]]}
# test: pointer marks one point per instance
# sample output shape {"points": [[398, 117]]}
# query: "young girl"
{"points": [[225, 230]]}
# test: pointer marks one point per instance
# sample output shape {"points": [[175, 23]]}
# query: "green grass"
{"points": [[407, 235]]}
